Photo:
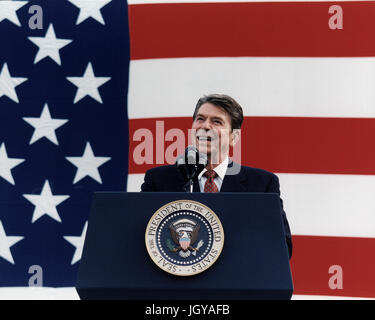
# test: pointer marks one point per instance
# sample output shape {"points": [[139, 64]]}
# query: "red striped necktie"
{"points": [[210, 185]]}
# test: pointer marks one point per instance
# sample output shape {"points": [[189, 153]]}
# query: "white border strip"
{"points": [[38, 293], [69, 293], [224, 1]]}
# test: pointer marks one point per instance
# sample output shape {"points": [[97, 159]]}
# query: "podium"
{"points": [[253, 264]]}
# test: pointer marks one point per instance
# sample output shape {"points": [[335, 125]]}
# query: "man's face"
{"points": [[212, 132]]}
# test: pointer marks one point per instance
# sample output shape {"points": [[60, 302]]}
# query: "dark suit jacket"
{"points": [[169, 179]]}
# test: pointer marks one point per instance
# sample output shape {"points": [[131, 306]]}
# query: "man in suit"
{"points": [[217, 120]]}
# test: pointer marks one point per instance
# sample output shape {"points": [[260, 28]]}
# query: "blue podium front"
{"points": [[253, 263]]}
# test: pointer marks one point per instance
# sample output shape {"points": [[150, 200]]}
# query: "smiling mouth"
{"points": [[205, 139]]}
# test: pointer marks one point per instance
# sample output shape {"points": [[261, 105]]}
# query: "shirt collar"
{"points": [[220, 170]]}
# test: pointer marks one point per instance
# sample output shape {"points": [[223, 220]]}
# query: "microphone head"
{"points": [[203, 159], [192, 162], [180, 160], [191, 154]]}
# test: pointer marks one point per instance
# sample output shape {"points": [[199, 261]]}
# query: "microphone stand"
{"points": [[192, 173]]}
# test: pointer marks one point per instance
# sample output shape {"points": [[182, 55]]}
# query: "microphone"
{"points": [[191, 155], [192, 158], [191, 164]]}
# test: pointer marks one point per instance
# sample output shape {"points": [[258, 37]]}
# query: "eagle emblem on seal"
{"points": [[184, 233]]}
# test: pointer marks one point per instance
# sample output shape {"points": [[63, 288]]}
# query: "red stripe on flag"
{"points": [[313, 257], [284, 144], [285, 29]]}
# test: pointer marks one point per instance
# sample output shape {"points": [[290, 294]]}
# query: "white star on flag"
{"points": [[49, 46], [8, 11], [88, 84], [45, 203], [90, 8], [88, 164], [8, 84], [7, 164], [78, 243], [5, 243], [45, 126]]}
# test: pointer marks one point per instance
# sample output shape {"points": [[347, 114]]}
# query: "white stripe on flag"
{"points": [[297, 87], [321, 205]]}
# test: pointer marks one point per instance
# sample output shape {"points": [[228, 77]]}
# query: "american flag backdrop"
{"points": [[74, 94]]}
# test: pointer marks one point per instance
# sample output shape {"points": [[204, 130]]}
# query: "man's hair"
{"points": [[227, 104]]}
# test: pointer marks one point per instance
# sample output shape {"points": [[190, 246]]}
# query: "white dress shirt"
{"points": [[220, 170]]}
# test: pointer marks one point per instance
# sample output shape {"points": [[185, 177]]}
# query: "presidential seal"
{"points": [[184, 237]]}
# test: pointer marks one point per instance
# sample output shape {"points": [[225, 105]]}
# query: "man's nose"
{"points": [[206, 125]]}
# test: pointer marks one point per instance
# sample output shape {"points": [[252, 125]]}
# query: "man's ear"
{"points": [[236, 134]]}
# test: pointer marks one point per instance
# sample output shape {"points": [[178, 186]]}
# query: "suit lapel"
{"points": [[234, 182]]}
